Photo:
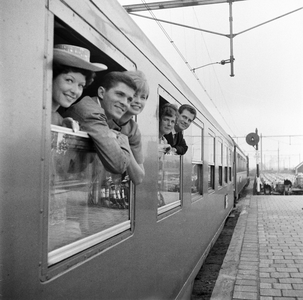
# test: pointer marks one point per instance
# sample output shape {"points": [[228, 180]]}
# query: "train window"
{"points": [[170, 169], [238, 163], [210, 141], [87, 204], [230, 164], [220, 176], [168, 182], [219, 152], [225, 174], [197, 162], [225, 163], [211, 177]]}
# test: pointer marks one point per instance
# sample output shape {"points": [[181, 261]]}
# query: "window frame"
{"points": [[170, 208], [60, 262], [198, 162], [219, 160], [55, 260], [211, 161], [225, 164]]}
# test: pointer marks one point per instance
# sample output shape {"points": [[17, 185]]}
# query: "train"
{"points": [[69, 228]]}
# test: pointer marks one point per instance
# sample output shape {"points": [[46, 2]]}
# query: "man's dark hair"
{"points": [[188, 107]]}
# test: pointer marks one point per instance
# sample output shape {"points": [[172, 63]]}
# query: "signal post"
{"points": [[253, 140]]}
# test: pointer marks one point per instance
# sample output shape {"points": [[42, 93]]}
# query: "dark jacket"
{"points": [[179, 142]]}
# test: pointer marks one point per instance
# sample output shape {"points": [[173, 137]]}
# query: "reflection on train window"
{"points": [[210, 141], [169, 182], [197, 162], [87, 204]]}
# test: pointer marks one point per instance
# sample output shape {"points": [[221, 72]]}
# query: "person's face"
{"points": [[116, 100], [138, 103], [166, 125], [67, 88], [185, 119]]}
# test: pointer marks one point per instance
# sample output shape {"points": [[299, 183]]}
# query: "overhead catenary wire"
{"points": [[210, 59], [184, 60]]}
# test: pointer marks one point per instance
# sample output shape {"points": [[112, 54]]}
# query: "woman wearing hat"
{"points": [[72, 72]]}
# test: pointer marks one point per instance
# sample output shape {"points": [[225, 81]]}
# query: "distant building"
{"points": [[299, 168]]}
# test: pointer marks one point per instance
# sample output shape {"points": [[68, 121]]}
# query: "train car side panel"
{"points": [[161, 249], [23, 107]]}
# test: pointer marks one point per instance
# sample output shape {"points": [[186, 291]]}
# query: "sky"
{"points": [[267, 90]]}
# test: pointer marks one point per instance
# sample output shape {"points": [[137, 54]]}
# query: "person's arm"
{"points": [[181, 146], [135, 169], [112, 148], [71, 123]]}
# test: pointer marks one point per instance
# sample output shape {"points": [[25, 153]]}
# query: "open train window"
{"points": [[88, 208], [197, 162], [170, 164]]}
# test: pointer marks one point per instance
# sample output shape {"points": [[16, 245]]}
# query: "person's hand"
{"points": [[71, 123], [173, 151], [164, 148]]}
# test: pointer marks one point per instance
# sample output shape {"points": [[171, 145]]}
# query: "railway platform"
{"points": [[264, 260]]}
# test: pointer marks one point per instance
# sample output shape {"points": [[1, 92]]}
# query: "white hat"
{"points": [[75, 56]]}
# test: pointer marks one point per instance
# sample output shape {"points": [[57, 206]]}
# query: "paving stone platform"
{"points": [[265, 258]]}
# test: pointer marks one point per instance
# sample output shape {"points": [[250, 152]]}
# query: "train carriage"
{"points": [[241, 169], [69, 228]]}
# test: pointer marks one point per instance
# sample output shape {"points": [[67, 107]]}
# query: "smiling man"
{"points": [[187, 114], [129, 127], [115, 94]]}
